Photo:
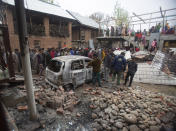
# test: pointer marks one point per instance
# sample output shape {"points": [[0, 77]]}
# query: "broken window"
{"points": [[55, 66], [77, 65], [58, 27], [34, 20], [35, 24]]}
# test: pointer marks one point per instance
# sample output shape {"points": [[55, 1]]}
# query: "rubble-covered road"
{"points": [[90, 108]]}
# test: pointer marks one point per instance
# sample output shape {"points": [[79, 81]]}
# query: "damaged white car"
{"points": [[68, 71]]}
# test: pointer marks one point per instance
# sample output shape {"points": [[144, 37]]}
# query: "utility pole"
{"points": [[24, 48]]}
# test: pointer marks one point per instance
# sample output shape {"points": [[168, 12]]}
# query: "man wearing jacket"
{"points": [[119, 65], [132, 68], [96, 64]]}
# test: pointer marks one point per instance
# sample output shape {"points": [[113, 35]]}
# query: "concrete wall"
{"points": [[45, 41]]}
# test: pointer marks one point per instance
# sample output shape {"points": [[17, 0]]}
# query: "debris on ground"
{"points": [[142, 56], [133, 109], [93, 108]]}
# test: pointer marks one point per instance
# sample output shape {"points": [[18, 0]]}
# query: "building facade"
{"points": [[49, 26], [44, 30]]}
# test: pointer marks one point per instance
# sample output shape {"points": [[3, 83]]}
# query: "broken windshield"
{"points": [[55, 66]]}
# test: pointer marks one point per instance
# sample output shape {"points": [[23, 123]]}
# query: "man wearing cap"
{"points": [[96, 64], [119, 65]]}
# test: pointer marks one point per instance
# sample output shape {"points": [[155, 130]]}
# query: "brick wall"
{"points": [[45, 41]]}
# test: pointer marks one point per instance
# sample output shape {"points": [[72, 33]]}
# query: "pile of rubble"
{"points": [[56, 99], [132, 109], [143, 56]]}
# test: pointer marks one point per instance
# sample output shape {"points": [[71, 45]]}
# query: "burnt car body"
{"points": [[68, 70]]}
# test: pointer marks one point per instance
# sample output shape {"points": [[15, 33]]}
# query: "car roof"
{"points": [[70, 58]]}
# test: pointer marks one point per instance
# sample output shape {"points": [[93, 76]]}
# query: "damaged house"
{"points": [[48, 25]]}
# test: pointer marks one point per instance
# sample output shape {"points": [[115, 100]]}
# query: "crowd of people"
{"points": [[124, 30], [113, 66]]}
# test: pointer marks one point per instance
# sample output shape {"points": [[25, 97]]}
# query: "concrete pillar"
{"points": [[70, 31], [161, 44], [46, 24]]}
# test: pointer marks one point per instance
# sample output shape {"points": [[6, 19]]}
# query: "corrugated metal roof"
{"points": [[43, 7], [84, 20]]}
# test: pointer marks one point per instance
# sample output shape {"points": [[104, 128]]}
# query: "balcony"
{"points": [[37, 30], [57, 31]]}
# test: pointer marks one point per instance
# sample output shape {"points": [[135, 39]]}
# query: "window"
{"points": [[82, 35], [77, 65], [55, 66], [36, 43]]}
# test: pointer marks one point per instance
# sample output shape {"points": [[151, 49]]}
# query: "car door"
{"points": [[78, 72], [88, 70]]}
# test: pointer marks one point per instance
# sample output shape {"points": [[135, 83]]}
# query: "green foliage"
{"points": [[121, 15]]}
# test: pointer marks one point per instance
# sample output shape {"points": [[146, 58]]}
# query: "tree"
{"points": [[120, 15], [107, 20], [97, 16]]}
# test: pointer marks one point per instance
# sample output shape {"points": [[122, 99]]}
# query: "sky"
{"points": [[87, 7]]}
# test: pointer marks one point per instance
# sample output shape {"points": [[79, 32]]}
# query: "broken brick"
{"points": [[78, 114], [60, 110], [22, 108]]}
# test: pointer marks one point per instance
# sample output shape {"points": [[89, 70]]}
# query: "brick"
{"points": [[22, 108]]}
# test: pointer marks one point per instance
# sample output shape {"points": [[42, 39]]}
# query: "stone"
{"points": [[154, 128], [120, 106], [152, 123], [134, 128], [130, 118], [114, 107], [96, 126], [60, 111], [127, 110], [94, 116], [145, 105], [114, 112], [108, 110], [134, 112], [142, 127], [144, 116], [78, 114], [119, 124], [104, 122], [124, 129]]}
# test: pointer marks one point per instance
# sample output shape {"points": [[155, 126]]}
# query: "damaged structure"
{"points": [[48, 25]]}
